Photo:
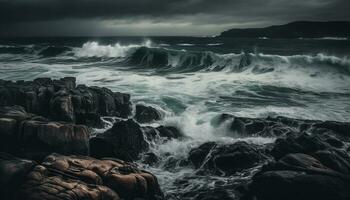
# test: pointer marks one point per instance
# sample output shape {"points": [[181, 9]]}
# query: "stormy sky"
{"points": [[157, 17]]}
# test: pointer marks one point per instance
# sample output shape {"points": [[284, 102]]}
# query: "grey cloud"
{"points": [[199, 15]]}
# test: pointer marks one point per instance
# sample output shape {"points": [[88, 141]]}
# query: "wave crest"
{"points": [[189, 61], [94, 49]]}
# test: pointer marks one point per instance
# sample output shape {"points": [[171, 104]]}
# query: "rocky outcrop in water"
{"points": [[75, 177], [62, 100], [311, 160], [126, 140], [226, 159], [302, 176], [281, 126], [146, 114]]}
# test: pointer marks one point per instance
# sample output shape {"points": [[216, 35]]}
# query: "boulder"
{"points": [[125, 140], [79, 177], [227, 159], [303, 143], [170, 132], [163, 133], [35, 137], [197, 155], [291, 185], [301, 176], [40, 138], [146, 114]]}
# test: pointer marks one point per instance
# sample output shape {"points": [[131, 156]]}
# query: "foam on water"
{"points": [[198, 128], [94, 49]]}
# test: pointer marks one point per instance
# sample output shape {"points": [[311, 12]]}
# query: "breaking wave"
{"points": [[94, 49], [163, 59], [148, 55]]}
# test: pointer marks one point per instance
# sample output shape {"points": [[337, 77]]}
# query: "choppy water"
{"points": [[194, 79]]}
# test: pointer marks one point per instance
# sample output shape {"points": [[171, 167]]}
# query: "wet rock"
{"points": [[162, 132], [227, 159], [125, 140], [35, 137], [62, 100], [150, 158], [146, 114], [169, 132], [45, 184], [39, 138], [259, 126], [79, 177], [335, 142], [282, 126], [197, 155], [61, 107], [291, 185], [301, 176], [14, 112], [297, 144], [12, 174], [334, 159], [338, 128]]}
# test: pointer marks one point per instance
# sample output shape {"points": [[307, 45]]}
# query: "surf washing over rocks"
{"points": [[197, 104]]}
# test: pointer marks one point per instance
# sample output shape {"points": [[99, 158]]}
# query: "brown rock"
{"points": [[80, 177], [46, 137], [44, 184]]}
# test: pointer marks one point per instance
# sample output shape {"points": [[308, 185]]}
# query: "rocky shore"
{"points": [[48, 152]]}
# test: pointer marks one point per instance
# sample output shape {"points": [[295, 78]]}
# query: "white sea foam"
{"points": [[94, 49]]}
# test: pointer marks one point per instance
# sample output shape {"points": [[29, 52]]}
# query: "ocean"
{"points": [[192, 80]]}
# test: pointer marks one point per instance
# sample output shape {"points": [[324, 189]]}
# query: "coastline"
{"points": [[50, 122]]}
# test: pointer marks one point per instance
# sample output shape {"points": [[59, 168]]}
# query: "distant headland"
{"points": [[298, 29]]}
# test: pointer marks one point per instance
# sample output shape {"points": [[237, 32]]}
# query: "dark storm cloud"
{"points": [[205, 15]]}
